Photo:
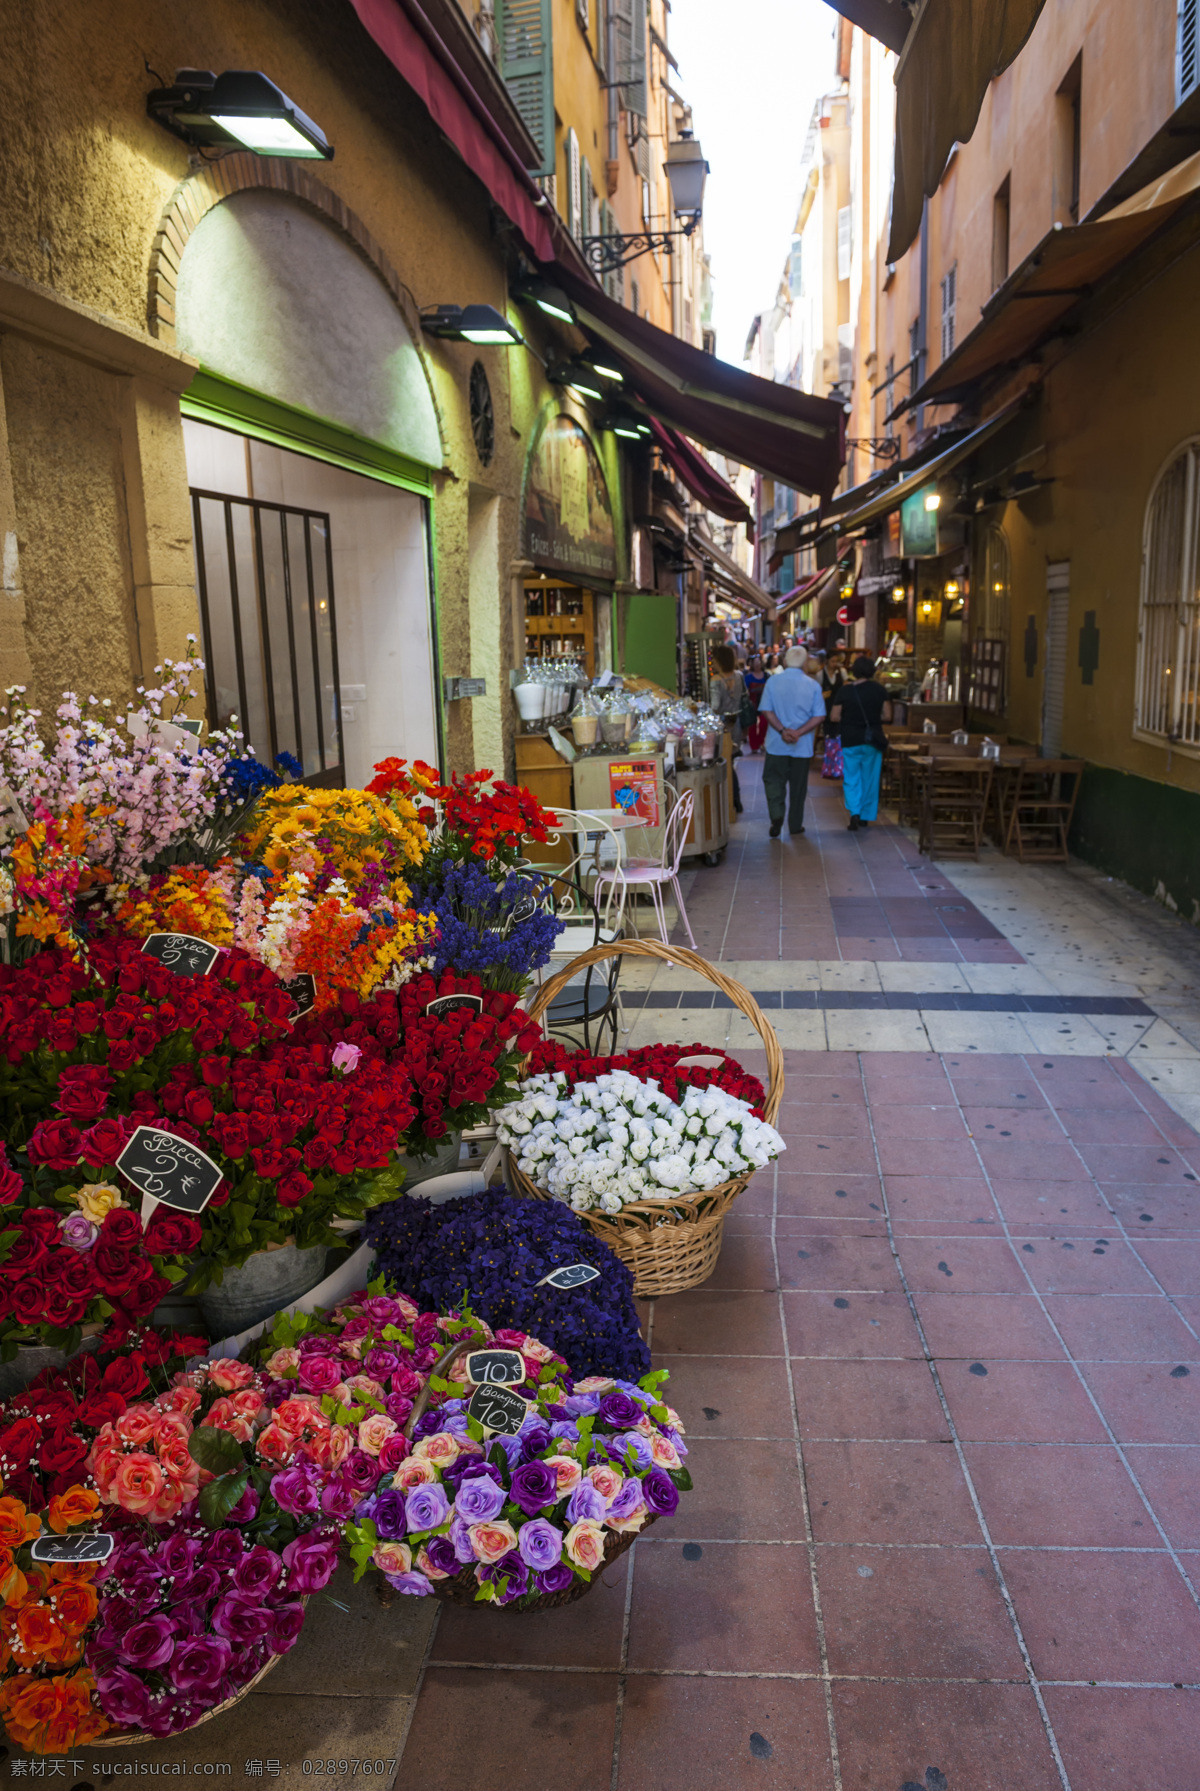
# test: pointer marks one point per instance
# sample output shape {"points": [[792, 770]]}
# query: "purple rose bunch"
{"points": [[189, 1615], [527, 1515]]}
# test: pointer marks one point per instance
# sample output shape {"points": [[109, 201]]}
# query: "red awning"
{"points": [[702, 479], [417, 52], [785, 433]]}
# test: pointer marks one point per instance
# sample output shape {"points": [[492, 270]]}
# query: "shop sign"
{"points": [[633, 786], [918, 528], [568, 516]]}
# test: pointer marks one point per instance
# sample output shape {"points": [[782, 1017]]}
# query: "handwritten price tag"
{"points": [[182, 953], [576, 1274], [499, 1410], [496, 1367], [96, 1546], [168, 1171], [303, 991], [446, 1004]]}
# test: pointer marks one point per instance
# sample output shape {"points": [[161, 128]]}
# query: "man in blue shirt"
{"points": [[794, 708]]}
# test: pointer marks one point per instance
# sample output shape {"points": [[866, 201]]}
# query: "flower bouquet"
{"points": [[658, 1063], [478, 817], [524, 1521], [216, 1544], [460, 1059], [619, 1138], [500, 930], [494, 1252]]}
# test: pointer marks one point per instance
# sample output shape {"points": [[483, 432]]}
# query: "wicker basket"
{"points": [[460, 1588], [138, 1737], [670, 1246]]}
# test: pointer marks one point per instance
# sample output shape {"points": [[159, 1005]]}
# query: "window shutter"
{"points": [[844, 241], [589, 222], [1187, 62], [949, 311], [574, 186], [527, 65], [631, 30]]}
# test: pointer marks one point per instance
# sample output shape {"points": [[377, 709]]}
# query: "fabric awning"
{"points": [[787, 434], [807, 589], [882, 503], [421, 56], [702, 479], [726, 571], [949, 55], [955, 49], [1066, 265]]}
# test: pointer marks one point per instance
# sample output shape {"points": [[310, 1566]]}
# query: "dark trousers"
{"points": [[782, 774]]}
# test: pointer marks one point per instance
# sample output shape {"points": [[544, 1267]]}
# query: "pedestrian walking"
{"points": [[861, 710], [756, 677], [833, 677], [726, 695], [794, 709]]}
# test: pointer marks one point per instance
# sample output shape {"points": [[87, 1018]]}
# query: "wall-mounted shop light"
{"points": [[481, 324], [933, 500], [598, 361], [578, 377], [628, 426], [898, 593], [240, 109], [550, 300], [952, 589]]}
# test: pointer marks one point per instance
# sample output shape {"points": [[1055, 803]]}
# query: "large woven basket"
{"points": [[672, 1245], [460, 1588], [137, 1737]]}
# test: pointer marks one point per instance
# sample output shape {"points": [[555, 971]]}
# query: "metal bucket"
{"points": [[267, 1282]]}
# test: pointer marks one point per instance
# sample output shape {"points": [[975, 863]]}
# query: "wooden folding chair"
{"points": [[954, 806], [1041, 810]]}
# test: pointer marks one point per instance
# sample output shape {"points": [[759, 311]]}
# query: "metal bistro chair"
{"points": [[954, 807], [1041, 809], [590, 1006], [640, 873]]}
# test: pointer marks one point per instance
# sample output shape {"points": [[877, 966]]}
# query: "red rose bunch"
{"points": [[47, 1431], [458, 1062], [82, 1039], [659, 1063]]}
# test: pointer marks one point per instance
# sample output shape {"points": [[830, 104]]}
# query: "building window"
{"points": [[575, 219], [1068, 145], [1001, 218], [949, 310], [265, 580], [991, 593], [845, 241], [1187, 63], [1168, 666], [915, 356], [889, 396]]}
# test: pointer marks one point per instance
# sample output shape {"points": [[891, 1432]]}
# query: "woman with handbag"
{"points": [[755, 679], [728, 698], [861, 709], [832, 679]]}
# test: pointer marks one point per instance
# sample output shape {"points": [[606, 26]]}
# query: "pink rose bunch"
{"points": [[141, 1462]]}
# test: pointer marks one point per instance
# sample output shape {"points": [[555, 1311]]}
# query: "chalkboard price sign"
{"points": [[496, 1367], [96, 1546], [182, 953], [576, 1274], [446, 1004], [499, 1410], [525, 909], [169, 1171], [303, 991]]}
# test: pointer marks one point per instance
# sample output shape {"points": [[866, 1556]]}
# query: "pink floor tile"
{"points": [[702, 1322], [1104, 1616], [1147, 1402], [1169, 1477], [1053, 1495], [839, 1263], [962, 1264], [716, 1397], [746, 1491], [718, 1735], [888, 1492], [1115, 1738], [1150, 1211], [956, 1200], [849, 1324], [1019, 1402], [1001, 1325], [912, 1613], [1070, 1204], [932, 1158], [1175, 1266], [809, 1155], [870, 1399], [893, 1124], [1123, 1330], [723, 1606], [838, 1196], [1110, 1267], [825, 1118], [1156, 1163], [975, 1737], [1022, 1123], [746, 1262], [1050, 1161]]}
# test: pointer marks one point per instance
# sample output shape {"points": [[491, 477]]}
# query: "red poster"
{"points": [[633, 785]]}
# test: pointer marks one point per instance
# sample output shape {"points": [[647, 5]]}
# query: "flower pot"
{"points": [[422, 1169], [268, 1281], [29, 1362]]}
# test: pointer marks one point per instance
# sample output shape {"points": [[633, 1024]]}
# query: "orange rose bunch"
{"points": [[47, 1613]]}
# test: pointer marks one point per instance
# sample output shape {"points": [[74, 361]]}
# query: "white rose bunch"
{"points": [[619, 1139]]}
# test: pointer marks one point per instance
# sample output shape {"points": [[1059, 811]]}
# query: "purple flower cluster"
{"points": [[477, 934], [189, 1615], [492, 1251]]}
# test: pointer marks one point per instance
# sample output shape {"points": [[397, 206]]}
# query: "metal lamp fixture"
{"points": [[549, 299], [628, 425], [933, 500], [686, 171], [240, 109], [481, 324], [578, 377], [602, 365]]}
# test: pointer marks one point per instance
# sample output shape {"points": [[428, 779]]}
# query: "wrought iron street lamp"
{"points": [[686, 171]]}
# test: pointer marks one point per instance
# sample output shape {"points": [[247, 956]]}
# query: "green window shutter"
{"points": [[632, 29], [527, 65], [574, 186]]}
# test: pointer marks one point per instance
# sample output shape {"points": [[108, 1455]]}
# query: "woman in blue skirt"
{"points": [[862, 709]]}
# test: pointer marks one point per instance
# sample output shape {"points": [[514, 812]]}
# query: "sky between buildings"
{"points": [[751, 69]]}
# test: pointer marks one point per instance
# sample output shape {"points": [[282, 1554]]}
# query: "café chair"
{"points": [[1041, 809]]}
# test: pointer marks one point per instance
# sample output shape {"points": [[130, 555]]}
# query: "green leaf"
{"points": [[681, 1478], [650, 1383], [441, 1385], [474, 1429], [219, 1497], [215, 1450], [173, 1273]]}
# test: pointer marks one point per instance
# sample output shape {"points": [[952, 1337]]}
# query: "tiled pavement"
{"points": [[942, 1389]]}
